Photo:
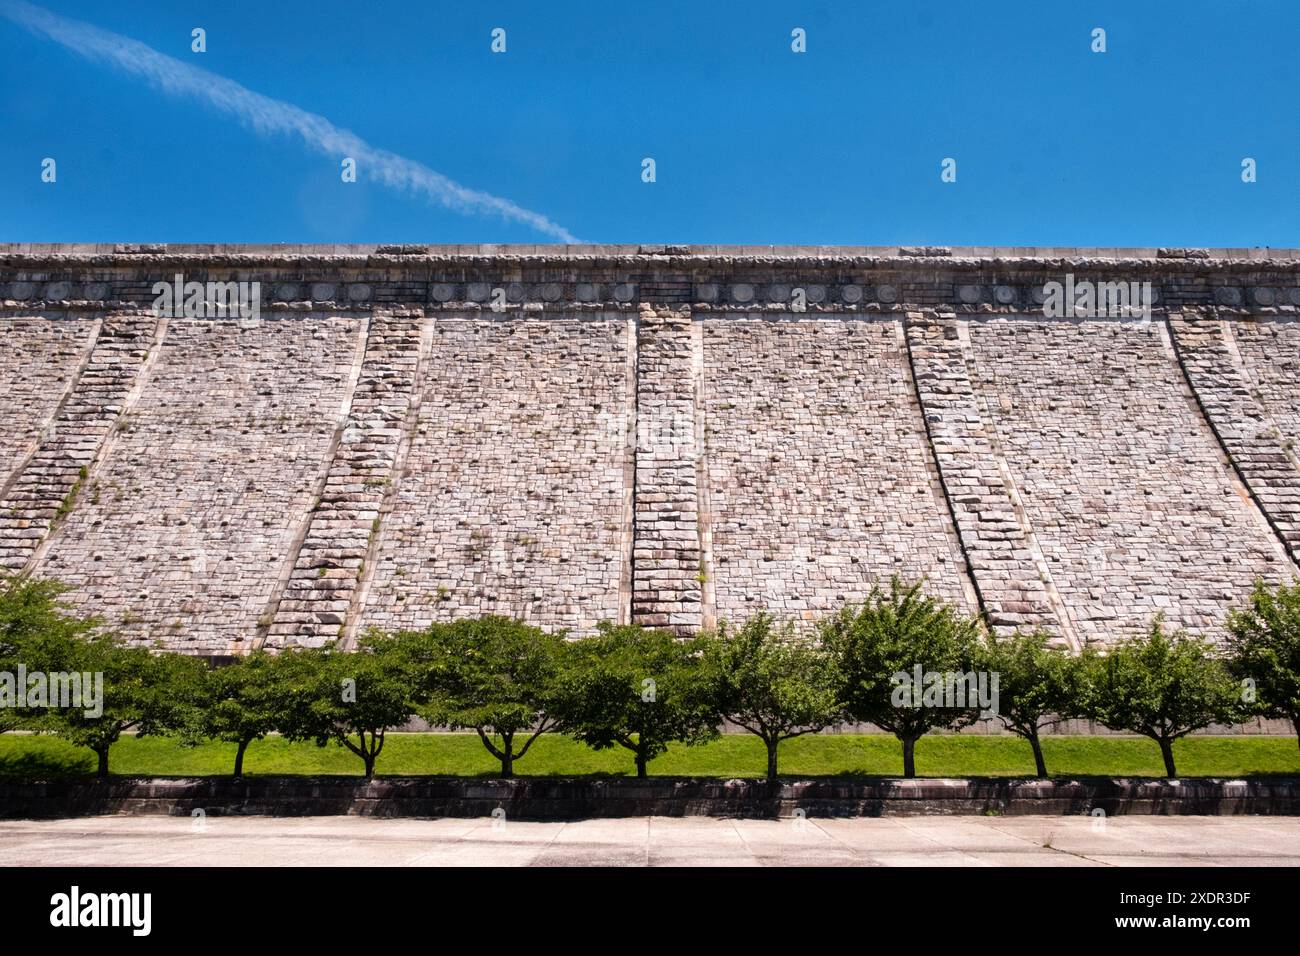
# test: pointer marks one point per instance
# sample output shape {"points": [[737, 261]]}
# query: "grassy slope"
{"points": [[732, 756]]}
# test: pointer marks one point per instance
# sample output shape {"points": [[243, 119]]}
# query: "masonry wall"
{"points": [[1270, 351], [669, 569], [821, 484], [183, 524], [1241, 383], [37, 366], [1133, 501], [327, 571], [45, 485], [511, 498], [650, 434]]}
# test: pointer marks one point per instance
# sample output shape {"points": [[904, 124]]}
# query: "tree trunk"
{"points": [[368, 756], [1167, 751], [640, 764], [1040, 765], [909, 756], [102, 770], [1295, 722], [771, 759], [508, 754], [239, 757]]}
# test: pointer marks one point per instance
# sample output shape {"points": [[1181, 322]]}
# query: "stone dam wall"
{"points": [[670, 435]]}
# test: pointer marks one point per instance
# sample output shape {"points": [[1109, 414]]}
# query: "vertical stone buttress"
{"points": [[667, 558], [1248, 433], [48, 485], [627, 529], [318, 597], [1009, 570]]}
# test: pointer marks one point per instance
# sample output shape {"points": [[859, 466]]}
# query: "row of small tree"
{"points": [[643, 689]]}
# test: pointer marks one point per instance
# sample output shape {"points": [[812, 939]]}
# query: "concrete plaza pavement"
{"points": [[652, 841]]}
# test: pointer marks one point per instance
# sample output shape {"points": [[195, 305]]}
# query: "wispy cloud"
{"points": [[270, 116]]}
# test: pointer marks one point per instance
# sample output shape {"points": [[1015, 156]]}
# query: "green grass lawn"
{"points": [[739, 755]]}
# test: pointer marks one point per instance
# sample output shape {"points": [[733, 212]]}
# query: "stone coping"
{"points": [[561, 798], [705, 256], [328, 279]]}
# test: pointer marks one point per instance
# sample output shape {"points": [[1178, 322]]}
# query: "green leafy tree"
{"points": [[31, 612], [770, 683], [38, 631], [1038, 687], [1264, 638], [352, 699], [495, 675], [635, 688], [884, 643], [1163, 687], [144, 692], [242, 701]]}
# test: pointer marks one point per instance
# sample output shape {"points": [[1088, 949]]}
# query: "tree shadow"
{"points": [[35, 765]]}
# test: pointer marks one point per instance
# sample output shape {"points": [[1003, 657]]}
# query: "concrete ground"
{"points": [[651, 841]]}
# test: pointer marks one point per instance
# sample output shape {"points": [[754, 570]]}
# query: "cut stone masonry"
{"points": [[511, 497], [667, 572], [318, 597], [821, 480], [41, 361], [1005, 561], [191, 509], [1257, 446], [673, 435], [1131, 499], [57, 471]]}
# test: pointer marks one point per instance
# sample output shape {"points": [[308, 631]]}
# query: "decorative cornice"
{"points": [[971, 280]]}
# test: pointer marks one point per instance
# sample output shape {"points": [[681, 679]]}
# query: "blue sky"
{"points": [[754, 144]]}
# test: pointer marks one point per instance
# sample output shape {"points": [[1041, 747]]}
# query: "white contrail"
{"points": [[266, 115]]}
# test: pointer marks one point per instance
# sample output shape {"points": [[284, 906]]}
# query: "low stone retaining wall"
{"points": [[567, 799]]}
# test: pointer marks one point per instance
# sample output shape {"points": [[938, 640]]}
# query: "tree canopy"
{"points": [[636, 688]]}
